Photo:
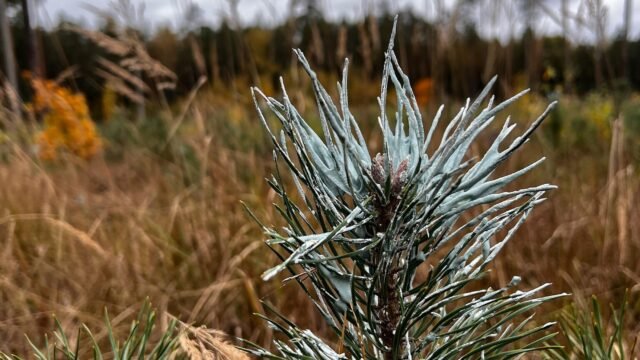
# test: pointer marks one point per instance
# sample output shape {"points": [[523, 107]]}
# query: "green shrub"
{"points": [[588, 336], [139, 343]]}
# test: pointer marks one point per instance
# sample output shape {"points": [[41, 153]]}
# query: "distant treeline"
{"points": [[455, 59]]}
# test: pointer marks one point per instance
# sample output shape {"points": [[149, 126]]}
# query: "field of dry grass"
{"points": [[158, 215], [148, 202]]}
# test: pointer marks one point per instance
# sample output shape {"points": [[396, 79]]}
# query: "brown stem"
{"points": [[388, 309], [390, 312]]}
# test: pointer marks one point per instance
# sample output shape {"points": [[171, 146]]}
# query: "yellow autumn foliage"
{"points": [[109, 102], [599, 112], [67, 122]]}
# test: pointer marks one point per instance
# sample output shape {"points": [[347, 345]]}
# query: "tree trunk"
{"points": [[9, 59], [7, 46], [625, 39], [566, 50], [32, 49]]}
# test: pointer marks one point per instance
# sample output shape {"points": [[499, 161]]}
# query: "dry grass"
{"points": [[202, 344], [81, 236]]}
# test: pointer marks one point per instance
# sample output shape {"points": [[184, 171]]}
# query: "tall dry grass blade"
{"points": [[117, 85], [82, 237], [624, 195], [112, 45], [200, 343], [14, 111], [69, 72], [177, 122], [618, 194], [605, 210], [198, 57], [123, 74], [142, 61]]}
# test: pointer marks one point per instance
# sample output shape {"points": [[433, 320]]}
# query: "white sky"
{"points": [[505, 24]]}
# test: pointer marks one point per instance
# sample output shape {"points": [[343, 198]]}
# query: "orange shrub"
{"points": [[67, 123]]}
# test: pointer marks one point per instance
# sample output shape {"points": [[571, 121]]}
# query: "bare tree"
{"points": [[489, 66], [246, 61], [566, 50], [9, 60], [597, 13], [33, 56], [7, 46], [628, 5]]}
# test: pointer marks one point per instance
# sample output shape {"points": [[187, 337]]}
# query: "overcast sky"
{"points": [[171, 13]]}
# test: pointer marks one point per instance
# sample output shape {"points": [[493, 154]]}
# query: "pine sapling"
{"points": [[387, 246]]}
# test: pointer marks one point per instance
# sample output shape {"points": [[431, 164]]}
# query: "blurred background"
{"points": [[129, 138]]}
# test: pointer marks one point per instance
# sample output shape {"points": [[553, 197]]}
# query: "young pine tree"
{"points": [[387, 246]]}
